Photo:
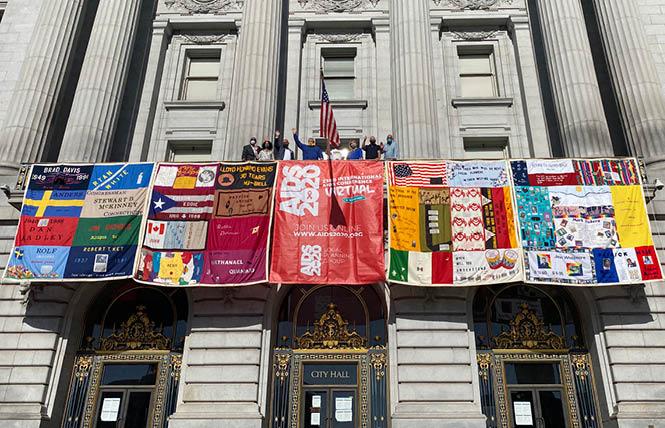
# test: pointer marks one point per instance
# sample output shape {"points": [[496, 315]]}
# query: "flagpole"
{"points": [[320, 123]]}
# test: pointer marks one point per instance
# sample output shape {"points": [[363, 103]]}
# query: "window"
{"points": [[189, 151], [485, 148], [339, 72], [201, 77], [477, 72]]}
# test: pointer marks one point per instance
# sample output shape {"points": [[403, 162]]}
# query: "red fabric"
{"points": [[566, 179], [501, 219], [47, 231], [306, 248], [442, 267], [648, 261]]}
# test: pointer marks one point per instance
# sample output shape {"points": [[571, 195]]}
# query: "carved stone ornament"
{"points": [[331, 331], [474, 35], [474, 4], [137, 333], [336, 6], [205, 6], [337, 38], [205, 39], [527, 331]]}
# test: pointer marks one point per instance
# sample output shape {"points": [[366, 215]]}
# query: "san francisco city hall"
{"points": [[193, 80]]}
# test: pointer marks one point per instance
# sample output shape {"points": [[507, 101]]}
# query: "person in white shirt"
{"points": [[266, 153]]}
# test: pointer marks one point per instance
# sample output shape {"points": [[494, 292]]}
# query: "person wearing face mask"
{"points": [[356, 152], [390, 149], [282, 151], [266, 153], [310, 151], [250, 151], [372, 150]]}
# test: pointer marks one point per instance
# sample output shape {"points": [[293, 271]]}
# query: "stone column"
{"points": [[638, 90], [584, 131], [96, 105], [33, 100], [255, 84], [414, 113]]}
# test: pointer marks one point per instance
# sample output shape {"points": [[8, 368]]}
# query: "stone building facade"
{"points": [[154, 80]]}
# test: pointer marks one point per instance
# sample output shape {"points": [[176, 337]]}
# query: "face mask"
{"points": [[253, 143]]}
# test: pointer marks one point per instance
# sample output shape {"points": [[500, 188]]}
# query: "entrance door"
{"points": [[330, 408], [125, 396], [538, 408], [330, 393], [536, 395]]}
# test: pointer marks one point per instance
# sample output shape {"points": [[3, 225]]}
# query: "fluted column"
{"points": [[255, 85], [414, 113], [100, 88], [23, 136], [635, 79], [579, 107]]}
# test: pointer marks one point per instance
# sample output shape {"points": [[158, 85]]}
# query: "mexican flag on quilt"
{"points": [[452, 223]]}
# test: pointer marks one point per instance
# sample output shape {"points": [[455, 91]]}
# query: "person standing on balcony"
{"points": [[310, 151]]}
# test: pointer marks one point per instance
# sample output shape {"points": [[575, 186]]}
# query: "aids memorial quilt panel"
{"points": [[80, 222], [328, 223], [208, 224], [584, 222], [452, 223]]}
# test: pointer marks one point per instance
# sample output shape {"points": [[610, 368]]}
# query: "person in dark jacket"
{"points": [[282, 151], [310, 151], [250, 151]]}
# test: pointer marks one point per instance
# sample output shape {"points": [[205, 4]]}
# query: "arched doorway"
{"points": [[127, 370], [330, 359], [534, 368]]}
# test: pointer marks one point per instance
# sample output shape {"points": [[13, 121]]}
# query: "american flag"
{"points": [[418, 174], [328, 123]]}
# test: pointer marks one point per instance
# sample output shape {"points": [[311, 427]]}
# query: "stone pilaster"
{"points": [[100, 88], [161, 35], [294, 64], [635, 79], [414, 113], [584, 131], [32, 104], [381, 27], [255, 85]]}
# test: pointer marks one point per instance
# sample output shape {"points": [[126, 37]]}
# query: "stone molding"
{"points": [[337, 6], [473, 4], [338, 37], [205, 39], [205, 6]]}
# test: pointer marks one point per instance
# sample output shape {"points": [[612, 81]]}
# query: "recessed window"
{"points": [[339, 70], [477, 72], [189, 151], [485, 148], [201, 76]]}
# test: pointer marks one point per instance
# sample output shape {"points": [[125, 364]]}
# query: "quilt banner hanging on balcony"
{"points": [[328, 223], [584, 222], [208, 224], [452, 223], [80, 222]]}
